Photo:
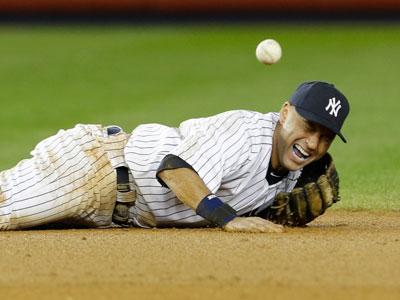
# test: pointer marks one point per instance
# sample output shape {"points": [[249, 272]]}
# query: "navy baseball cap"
{"points": [[322, 103]]}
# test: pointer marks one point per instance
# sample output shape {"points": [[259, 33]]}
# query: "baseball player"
{"points": [[243, 171]]}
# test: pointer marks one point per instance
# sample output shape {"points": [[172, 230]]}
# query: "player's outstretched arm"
{"points": [[191, 190], [186, 185]]}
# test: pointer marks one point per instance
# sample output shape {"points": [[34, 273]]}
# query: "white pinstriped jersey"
{"points": [[230, 151]]}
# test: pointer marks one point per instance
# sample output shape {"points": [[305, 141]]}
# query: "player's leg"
{"points": [[69, 178]]}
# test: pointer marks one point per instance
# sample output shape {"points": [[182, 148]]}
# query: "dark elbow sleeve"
{"points": [[171, 162]]}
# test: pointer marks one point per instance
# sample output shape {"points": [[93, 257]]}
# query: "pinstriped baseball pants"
{"points": [[70, 178]]}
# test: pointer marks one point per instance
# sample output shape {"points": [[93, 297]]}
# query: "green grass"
{"points": [[54, 77]]}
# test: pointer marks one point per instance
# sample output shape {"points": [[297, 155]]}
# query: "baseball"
{"points": [[269, 52]]}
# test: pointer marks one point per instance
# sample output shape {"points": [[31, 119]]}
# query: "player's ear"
{"points": [[283, 113]]}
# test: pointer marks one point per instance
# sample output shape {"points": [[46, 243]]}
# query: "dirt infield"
{"points": [[343, 255]]}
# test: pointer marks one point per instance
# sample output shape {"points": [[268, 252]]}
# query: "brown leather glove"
{"points": [[315, 191]]}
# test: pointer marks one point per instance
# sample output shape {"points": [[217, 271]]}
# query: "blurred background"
{"points": [[127, 62], [143, 10]]}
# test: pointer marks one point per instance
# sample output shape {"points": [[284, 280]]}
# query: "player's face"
{"points": [[299, 142]]}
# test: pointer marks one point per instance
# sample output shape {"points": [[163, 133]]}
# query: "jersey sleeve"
{"points": [[216, 149]]}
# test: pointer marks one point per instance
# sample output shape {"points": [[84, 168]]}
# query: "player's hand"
{"points": [[252, 224]]}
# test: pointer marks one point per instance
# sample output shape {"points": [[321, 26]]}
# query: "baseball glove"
{"points": [[315, 191]]}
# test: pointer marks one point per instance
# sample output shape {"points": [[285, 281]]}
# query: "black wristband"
{"points": [[214, 210]]}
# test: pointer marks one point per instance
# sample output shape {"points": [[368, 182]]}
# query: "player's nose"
{"points": [[313, 141]]}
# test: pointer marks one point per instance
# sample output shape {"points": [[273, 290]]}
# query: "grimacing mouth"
{"points": [[300, 152]]}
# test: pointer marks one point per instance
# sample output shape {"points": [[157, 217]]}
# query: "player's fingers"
{"points": [[252, 225], [262, 225], [271, 227]]}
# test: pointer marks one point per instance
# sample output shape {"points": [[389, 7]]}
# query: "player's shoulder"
{"points": [[241, 113], [252, 116], [232, 119]]}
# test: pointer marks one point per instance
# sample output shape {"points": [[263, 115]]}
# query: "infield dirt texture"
{"points": [[342, 256], [55, 77]]}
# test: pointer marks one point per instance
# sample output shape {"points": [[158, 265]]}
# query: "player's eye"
{"points": [[309, 127], [328, 137]]}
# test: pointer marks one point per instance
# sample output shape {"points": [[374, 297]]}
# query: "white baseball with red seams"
{"points": [[269, 52]]}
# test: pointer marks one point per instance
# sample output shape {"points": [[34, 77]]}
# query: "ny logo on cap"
{"points": [[334, 106]]}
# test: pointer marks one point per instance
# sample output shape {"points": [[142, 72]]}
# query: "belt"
{"points": [[125, 196]]}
